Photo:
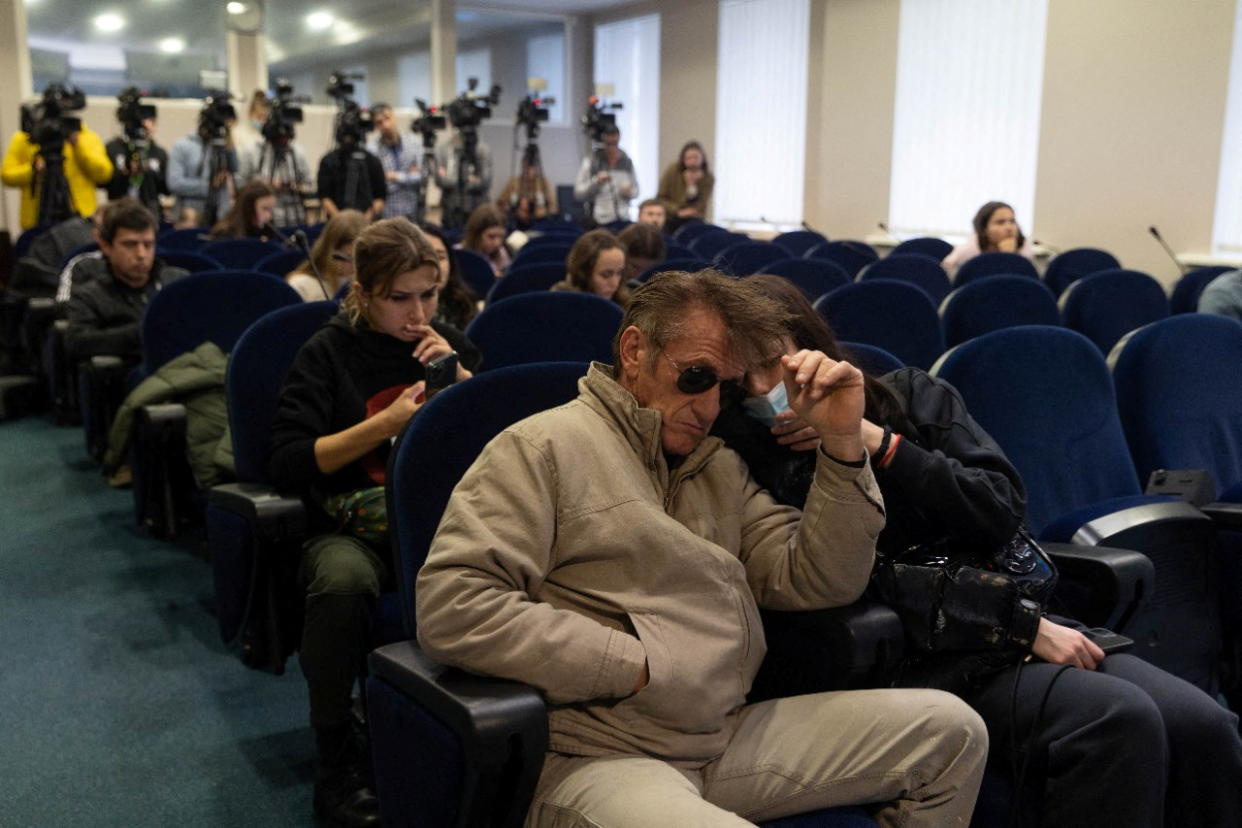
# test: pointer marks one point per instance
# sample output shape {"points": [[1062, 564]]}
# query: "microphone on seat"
{"points": [[299, 240], [1156, 233], [286, 241]]}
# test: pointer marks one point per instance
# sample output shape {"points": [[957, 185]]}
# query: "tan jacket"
{"points": [[570, 553]]}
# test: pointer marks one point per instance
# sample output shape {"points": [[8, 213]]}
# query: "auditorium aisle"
{"points": [[119, 706]]}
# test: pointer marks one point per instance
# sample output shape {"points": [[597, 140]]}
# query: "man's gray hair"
{"points": [[754, 321]]}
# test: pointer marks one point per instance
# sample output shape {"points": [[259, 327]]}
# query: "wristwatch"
{"points": [[1025, 623]]}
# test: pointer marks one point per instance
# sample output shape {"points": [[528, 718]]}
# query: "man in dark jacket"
{"points": [[110, 293]]}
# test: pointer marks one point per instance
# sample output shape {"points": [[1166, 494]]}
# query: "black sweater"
{"points": [[333, 375], [105, 314], [947, 478]]}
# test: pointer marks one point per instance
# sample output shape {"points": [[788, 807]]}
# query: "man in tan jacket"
{"points": [[611, 554]]}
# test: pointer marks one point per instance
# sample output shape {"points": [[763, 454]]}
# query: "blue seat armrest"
{"points": [[832, 649], [499, 728], [1101, 586], [1226, 515], [271, 515]]}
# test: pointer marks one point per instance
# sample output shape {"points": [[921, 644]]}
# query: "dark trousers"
{"points": [[343, 576], [1127, 744]]}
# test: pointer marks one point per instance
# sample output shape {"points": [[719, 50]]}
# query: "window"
{"points": [[966, 123], [761, 78], [1227, 228], [475, 63], [414, 79], [545, 58], [627, 59]]}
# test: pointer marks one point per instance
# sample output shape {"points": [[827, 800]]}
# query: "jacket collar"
{"points": [[639, 426]]}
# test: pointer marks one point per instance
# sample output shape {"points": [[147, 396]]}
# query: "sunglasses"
{"points": [[699, 379]]}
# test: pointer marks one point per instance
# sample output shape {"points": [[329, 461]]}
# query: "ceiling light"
{"points": [[320, 20], [109, 22], [235, 8], [172, 45]]}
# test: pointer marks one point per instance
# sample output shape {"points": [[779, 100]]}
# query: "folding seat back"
{"points": [[1071, 265], [991, 264], [814, 277], [542, 254], [852, 256], [239, 254], [709, 244], [187, 238], [745, 258], [280, 263], [545, 326], [475, 271], [914, 268], [797, 242], [1107, 305], [188, 259], [895, 316], [533, 277], [1185, 296], [993, 303], [872, 359], [924, 246]]}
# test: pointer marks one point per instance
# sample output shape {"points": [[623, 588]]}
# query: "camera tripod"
{"points": [[281, 166], [55, 200], [357, 181], [143, 186], [467, 163], [216, 149], [428, 172]]}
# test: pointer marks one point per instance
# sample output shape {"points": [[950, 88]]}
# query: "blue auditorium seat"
{"points": [[188, 238], [852, 256], [545, 326], [280, 263], [924, 246], [188, 260], [872, 359], [525, 279], [475, 271], [1108, 304], [239, 253], [797, 242], [991, 264], [1070, 266], [814, 277], [892, 315], [542, 254], [690, 265], [914, 268], [1185, 296], [993, 303], [746, 258]]}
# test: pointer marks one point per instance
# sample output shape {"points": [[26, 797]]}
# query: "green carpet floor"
{"points": [[118, 703]]}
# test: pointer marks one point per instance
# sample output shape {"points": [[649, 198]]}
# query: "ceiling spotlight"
{"points": [[172, 45], [235, 8], [109, 22], [320, 20]]}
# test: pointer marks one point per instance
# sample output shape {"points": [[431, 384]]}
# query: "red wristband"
{"points": [[892, 449]]}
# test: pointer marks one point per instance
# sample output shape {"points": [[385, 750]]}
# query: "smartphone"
{"points": [[1109, 641], [441, 373]]}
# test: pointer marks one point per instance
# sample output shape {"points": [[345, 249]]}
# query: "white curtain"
{"points": [[627, 57], [966, 124], [1227, 229], [761, 75], [414, 79], [545, 58]]}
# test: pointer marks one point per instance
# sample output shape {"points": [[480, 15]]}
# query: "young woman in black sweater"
{"points": [[352, 387], [1115, 735]]}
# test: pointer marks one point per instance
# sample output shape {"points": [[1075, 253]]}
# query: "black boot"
{"points": [[344, 789]]}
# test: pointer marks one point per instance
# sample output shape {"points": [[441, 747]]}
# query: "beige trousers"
{"points": [[918, 754]]}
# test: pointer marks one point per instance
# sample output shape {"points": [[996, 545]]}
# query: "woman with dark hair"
{"points": [[250, 214], [1100, 734], [995, 231], [351, 389], [332, 255], [596, 264], [686, 184], [485, 235], [644, 247], [458, 304]]}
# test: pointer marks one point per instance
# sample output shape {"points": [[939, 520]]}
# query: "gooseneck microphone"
{"points": [[1156, 233], [299, 240]]}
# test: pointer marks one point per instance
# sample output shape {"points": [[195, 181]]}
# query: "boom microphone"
{"points": [[1156, 233], [299, 240]]}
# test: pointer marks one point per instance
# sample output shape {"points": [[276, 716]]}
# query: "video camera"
{"points": [[215, 117], [428, 123], [597, 118], [352, 121], [278, 128], [46, 122], [468, 110], [131, 115], [532, 111]]}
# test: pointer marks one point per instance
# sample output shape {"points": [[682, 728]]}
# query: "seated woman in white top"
{"points": [[333, 256], [996, 231]]}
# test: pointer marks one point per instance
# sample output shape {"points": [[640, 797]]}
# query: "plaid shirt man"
{"points": [[401, 158]]}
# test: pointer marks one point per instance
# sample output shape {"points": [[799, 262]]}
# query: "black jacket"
{"points": [[105, 314], [153, 182], [332, 377], [368, 184]]}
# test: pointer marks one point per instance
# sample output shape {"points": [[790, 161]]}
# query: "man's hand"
{"points": [[627, 192], [391, 175], [602, 177], [828, 396], [791, 431], [1008, 245], [1056, 644]]}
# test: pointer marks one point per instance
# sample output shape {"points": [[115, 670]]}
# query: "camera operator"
{"points": [[464, 164], [398, 151], [277, 159], [203, 163], [529, 196], [350, 178], [59, 153], [606, 180], [140, 166]]}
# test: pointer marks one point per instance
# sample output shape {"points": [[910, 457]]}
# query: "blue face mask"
{"points": [[765, 408]]}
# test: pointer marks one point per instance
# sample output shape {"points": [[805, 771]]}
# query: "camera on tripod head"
{"points": [[532, 111], [428, 122], [352, 121], [598, 119], [278, 128], [468, 109], [215, 117], [132, 115], [46, 122]]}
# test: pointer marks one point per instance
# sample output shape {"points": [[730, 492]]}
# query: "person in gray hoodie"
{"points": [[614, 556]]}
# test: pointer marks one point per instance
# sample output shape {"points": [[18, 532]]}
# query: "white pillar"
{"points": [[443, 50], [15, 68]]}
